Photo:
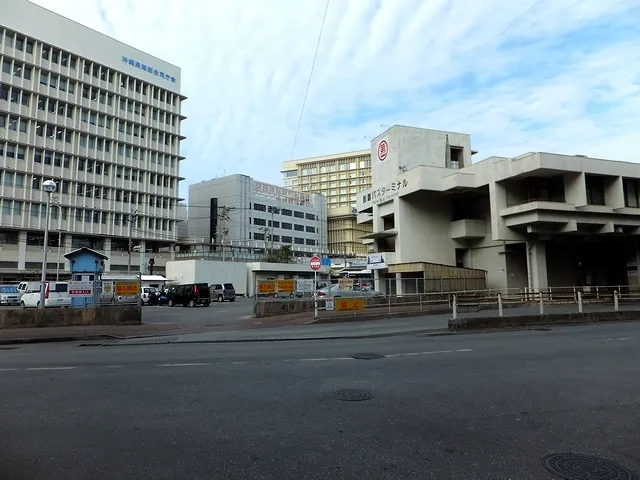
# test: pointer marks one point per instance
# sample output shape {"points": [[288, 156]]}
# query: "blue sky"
{"points": [[534, 75]]}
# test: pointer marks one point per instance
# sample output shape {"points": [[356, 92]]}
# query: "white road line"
{"points": [[183, 364], [8, 369], [465, 350], [342, 358], [623, 338], [239, 363], [314, 359], [49, 368], [114, 366]]}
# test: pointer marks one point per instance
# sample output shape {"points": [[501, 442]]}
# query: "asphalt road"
{"points": [[216, 314], [477, 406]]}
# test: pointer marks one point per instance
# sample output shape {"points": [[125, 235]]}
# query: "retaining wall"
{"points": [[70, 317]]}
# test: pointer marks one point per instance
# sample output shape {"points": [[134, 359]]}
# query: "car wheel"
{"points": [[192, 303], [206, 304], [23, 305], [170, 303], [291, 295], [232, 299], [220, 298]]}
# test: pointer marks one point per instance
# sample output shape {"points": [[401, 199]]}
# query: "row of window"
{"points": [[17, 208], [96, 167], [335, 168], [68, 60], [93, 142], [19, 180], [283, 211], [283, 239], [94, 94], [283, 225]]}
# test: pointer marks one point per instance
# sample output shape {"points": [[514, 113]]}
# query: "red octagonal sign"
{"points": [[315, 263]]}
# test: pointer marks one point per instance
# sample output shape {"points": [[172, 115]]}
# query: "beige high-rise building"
{"points": [[340, 177]]}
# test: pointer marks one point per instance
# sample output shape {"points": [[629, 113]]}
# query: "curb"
{"points": [[59, 339], [425, 333]]}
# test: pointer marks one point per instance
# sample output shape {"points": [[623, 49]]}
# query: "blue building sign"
{"points": [[149, 69]]}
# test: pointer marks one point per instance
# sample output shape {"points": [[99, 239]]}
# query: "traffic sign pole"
{"points": [[315, 263]]}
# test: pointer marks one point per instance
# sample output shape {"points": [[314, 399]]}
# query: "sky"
{"points": [[533, 75]]}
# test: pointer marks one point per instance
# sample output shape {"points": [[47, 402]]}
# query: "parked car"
{"points": [[56, 294], [336, 291], [190, 294], [9, 295], [144, 296], [223, 291], [24, 287]]}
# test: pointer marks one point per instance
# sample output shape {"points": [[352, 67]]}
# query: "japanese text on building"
{"points": [[149, 69]]}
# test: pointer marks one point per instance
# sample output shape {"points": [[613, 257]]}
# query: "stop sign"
{"points": [[315, 263]]}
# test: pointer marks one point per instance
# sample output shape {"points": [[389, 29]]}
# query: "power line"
{"points": [[306, 93]]}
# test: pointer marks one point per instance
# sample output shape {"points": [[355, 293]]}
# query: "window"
{"points": [[286, 226], [286, 212], [298, 214], [309, 229], [35, 209], [6, 66], [298, 241], [259, 221], [259, 207], [258, 236], [595, 189], [310, 241], [286, 239], [19, 180], [298, 228], [631, 191], [310, 216]]}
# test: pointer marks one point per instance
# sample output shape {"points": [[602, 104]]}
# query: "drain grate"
{"points": [[367, 356], [571, 466], [351, 395]]}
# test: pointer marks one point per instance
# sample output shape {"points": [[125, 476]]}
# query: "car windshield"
{"points": [[8, 289], [228, 286]]}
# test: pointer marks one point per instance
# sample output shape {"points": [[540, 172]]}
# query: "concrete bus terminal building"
{"points": [[538, 220]]}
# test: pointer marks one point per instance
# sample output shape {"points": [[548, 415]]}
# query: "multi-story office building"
{"points": [[99, 118], [535, 221], [339, 177], [239, 213]]}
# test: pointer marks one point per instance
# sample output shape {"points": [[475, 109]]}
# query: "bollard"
{"points": [[389, 303], [615, 300], [579, 301], [541, 304], [455, 307], [500, 305], [420, 296]]}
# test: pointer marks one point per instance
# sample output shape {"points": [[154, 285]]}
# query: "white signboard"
{"points": [[329, 305], [304, 285], [384, 193], [80, 289], [376, 261]]}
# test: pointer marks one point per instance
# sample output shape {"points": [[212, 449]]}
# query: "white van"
{"points": [[24, 287], [56, 294]]}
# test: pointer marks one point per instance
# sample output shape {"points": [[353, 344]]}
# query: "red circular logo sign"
{"points": [[383, 150], [315, 262]]}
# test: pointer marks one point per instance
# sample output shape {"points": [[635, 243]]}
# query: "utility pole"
{"points": [[133, 216], [273, 210]]}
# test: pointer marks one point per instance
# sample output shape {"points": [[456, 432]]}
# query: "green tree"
{"points": [[284, 254]]}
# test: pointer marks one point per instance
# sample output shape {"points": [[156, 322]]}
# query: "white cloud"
{"points": [[543, 75]]}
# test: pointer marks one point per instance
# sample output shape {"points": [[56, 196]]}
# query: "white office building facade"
{"points": [[239, 213], [99, 118]]}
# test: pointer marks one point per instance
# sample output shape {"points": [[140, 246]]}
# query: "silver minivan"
{"points": [[222, 292]]}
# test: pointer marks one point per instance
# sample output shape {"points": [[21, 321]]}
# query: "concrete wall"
{"points": [[209, 271], [69, 317]]}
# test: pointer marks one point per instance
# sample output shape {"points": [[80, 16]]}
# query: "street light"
{"points": [[49, 186]]}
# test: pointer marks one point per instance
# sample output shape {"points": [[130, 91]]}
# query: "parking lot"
{"points": [[216, 314]]}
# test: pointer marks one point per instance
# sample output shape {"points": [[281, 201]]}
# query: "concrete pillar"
{"points": [[107, 252], [379, 282], [67, 248], [537, 266], [143, 258], [22, 250], [399, 285]]}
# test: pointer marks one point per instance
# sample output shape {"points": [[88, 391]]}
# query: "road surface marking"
{"points": [[411, 354], [342, 358], [183, 364], [465, 350], [239, 363], [8, 369], [623, 338], [114, 366], [50, 368], [314, 359]]}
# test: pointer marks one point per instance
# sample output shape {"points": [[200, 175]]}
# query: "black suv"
{"points": [[190, 294]]}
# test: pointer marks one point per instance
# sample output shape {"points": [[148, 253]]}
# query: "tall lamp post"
{"points": [[49, 186]]}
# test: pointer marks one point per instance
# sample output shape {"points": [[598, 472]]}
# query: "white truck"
{"points": [[56, 294]]}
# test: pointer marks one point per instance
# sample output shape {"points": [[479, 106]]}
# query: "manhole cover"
{"points": [[367, 356], [570, 466], [351, 395]]}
